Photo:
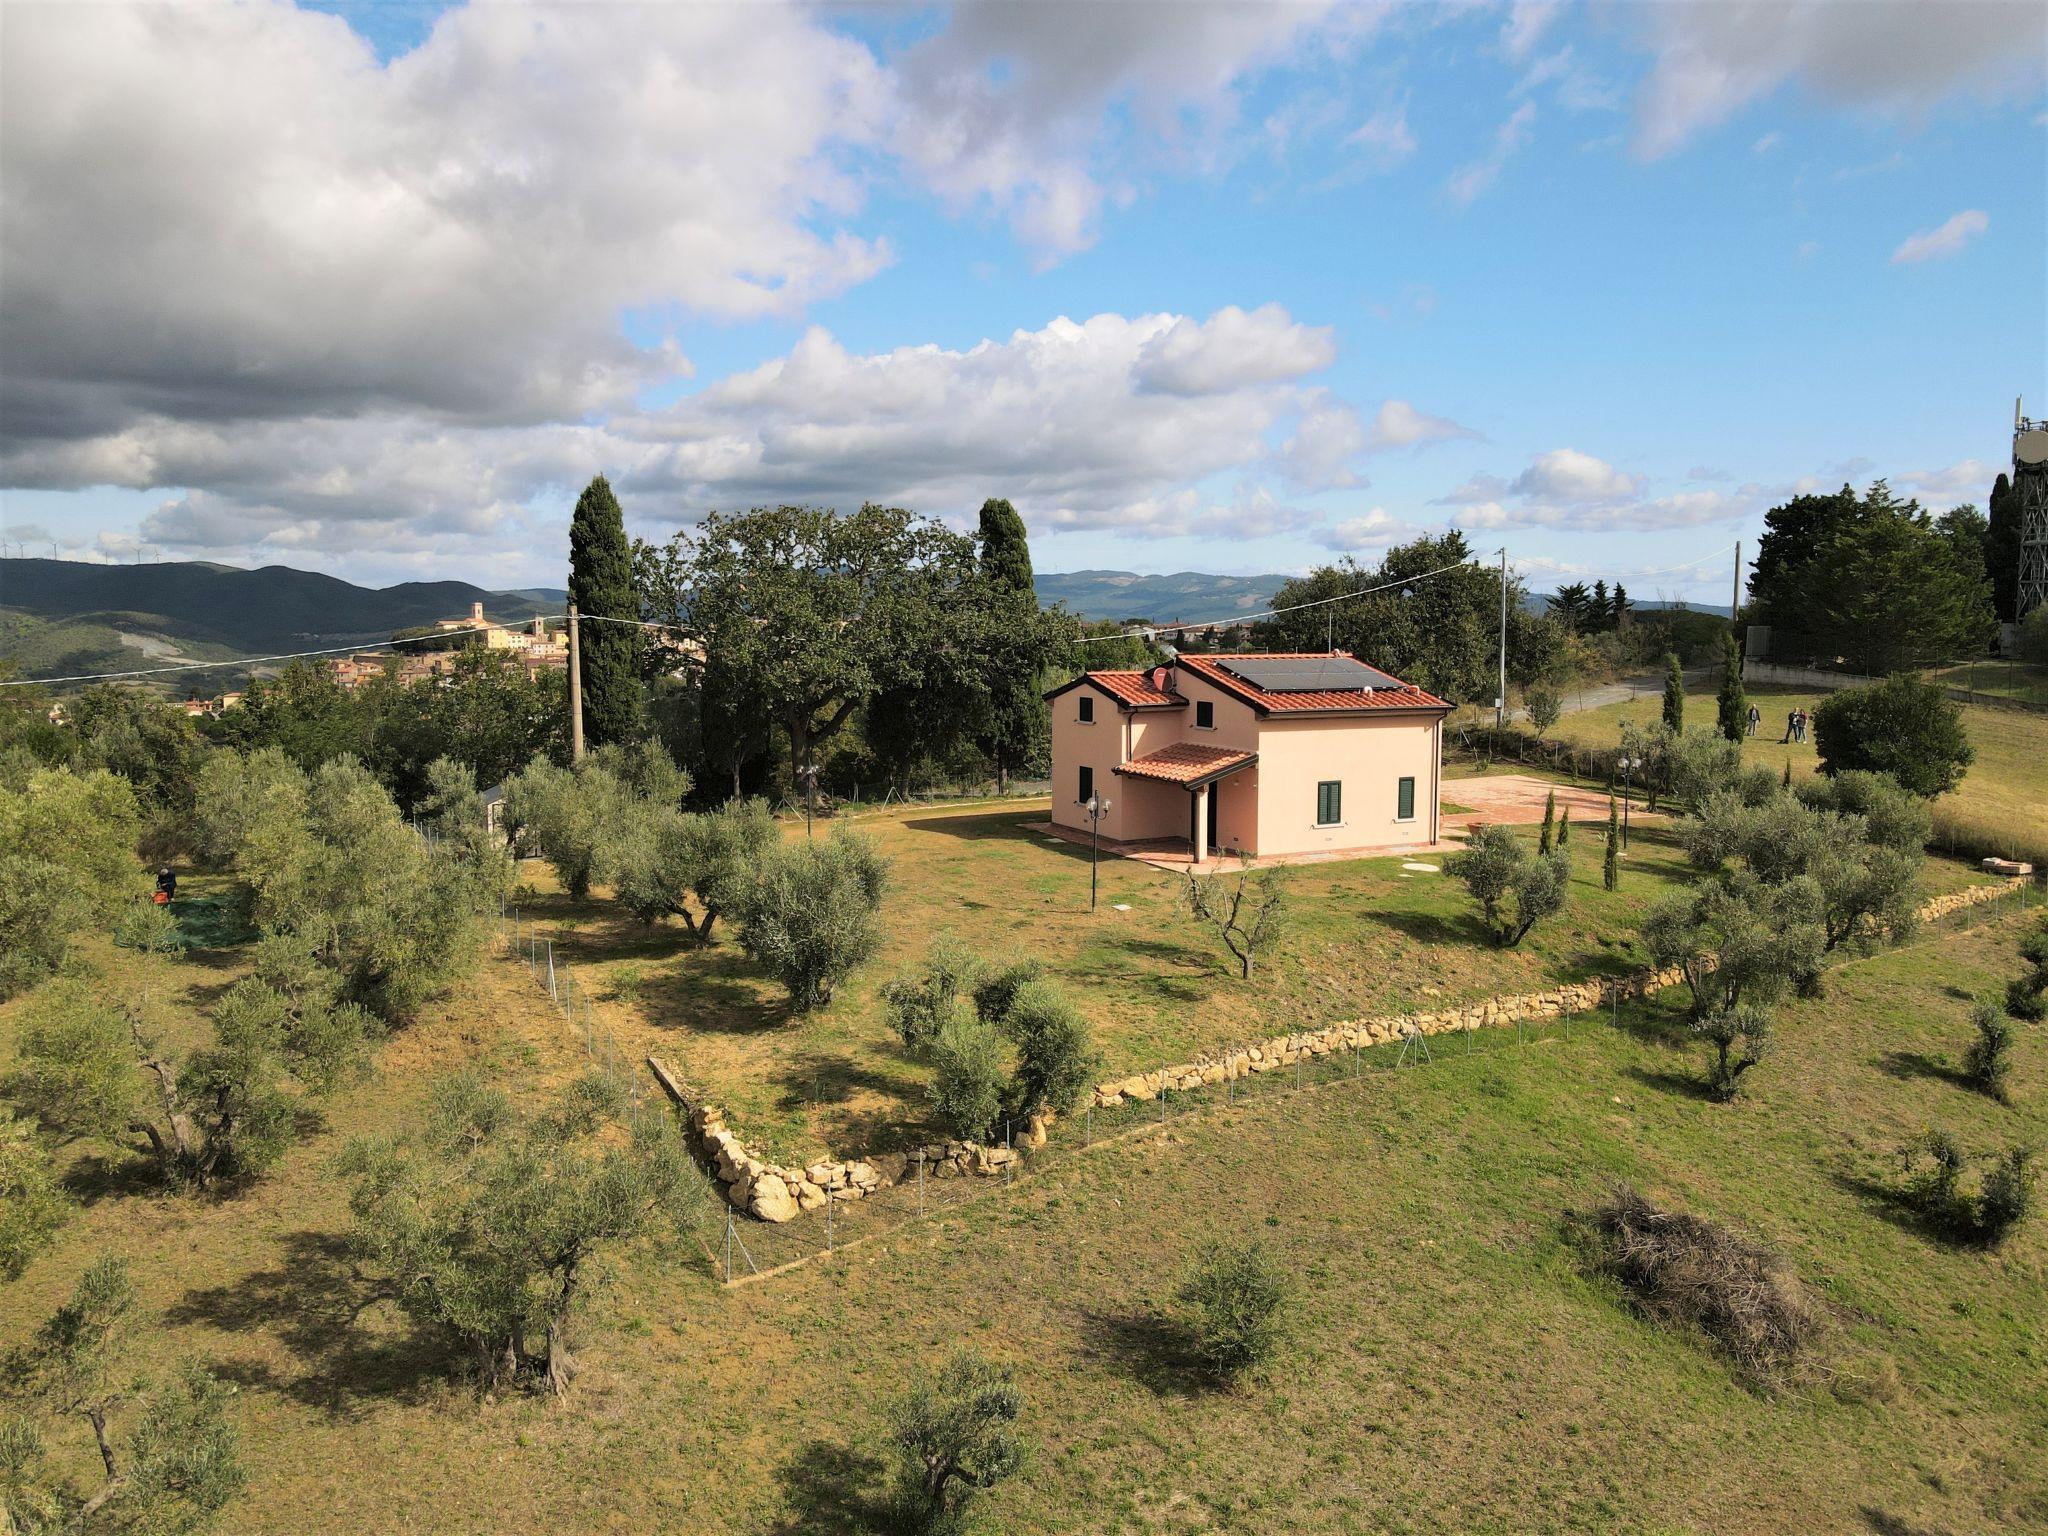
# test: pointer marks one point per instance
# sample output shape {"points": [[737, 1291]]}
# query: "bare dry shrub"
{"points": [[1685, 1269]]}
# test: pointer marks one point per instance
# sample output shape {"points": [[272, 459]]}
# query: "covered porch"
{"points": [[1200, 788]]}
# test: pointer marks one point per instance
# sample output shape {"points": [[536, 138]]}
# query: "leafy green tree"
{"points": [[2033, 637], [1871, 579], [968, 1076], [1740, 1037], [1234, 1302], [1732, 702], [1904, 726], [494, 1227], [567, 813], [1549, 833], [1738, 940], [1440, 633], [488, 715], [922, 1002], [1057, 1062], [2002, 549], [67, 860], [957, 1436], [1892, 816], [1515, 889], [1674, 695], [304, 712], [177, 1467], [810, 614], [1988, 1061], [33, 1204], [147, 741], [1013, 727], [1571, 604], [1247, 912], [1545, 706], [601, 587], [813, 914]]}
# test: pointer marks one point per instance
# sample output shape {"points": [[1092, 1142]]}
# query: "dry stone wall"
{"points": [[779, 1192]]}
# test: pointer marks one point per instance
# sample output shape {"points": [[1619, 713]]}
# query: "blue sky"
{"points": [[1596, 283]]}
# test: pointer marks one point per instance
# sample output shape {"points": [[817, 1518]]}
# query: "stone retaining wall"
{"points": [[776, 1192]]}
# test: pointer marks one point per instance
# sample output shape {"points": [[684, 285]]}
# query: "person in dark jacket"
{"points": [[166, 885]]}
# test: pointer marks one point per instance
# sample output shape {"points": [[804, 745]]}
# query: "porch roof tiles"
{"points": [[1188, 764]]}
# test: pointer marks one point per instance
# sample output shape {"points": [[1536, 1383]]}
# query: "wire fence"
{"points": [[750, 1250]]}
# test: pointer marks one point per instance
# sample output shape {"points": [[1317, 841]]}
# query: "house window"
{"points": [[1329, 803], [1087, 784], [1205, 715], [1087, 709], [1404, 801]]}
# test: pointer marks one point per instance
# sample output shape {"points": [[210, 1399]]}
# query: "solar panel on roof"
{"points": [[1312, 674]]}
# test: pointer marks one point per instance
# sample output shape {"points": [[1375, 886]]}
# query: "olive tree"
{"points": [[1246, 911], [1515, 889], [33, 1204], [493, 1226], [1740, 1036], [1738, 940], [957, 1436], [67, 858], [814, 914], [1232, 1304], [179, 1460]]}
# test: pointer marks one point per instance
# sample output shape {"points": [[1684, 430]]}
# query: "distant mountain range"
{"points": [[59, 618], [1187, 597]]}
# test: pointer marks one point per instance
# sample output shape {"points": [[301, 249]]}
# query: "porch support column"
{"points": [[1202, 822]]}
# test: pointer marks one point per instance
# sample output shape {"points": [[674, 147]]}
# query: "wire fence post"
{"points": [[920, 1186], [830, 1203], [1087, 1130]]}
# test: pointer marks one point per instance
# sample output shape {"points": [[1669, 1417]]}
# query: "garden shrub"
{"points": [[1233, 1303]]}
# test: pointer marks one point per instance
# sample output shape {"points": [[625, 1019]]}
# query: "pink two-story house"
{"points": [[1260, 754]]}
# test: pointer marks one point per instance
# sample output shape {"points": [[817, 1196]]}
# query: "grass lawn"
{"points": [[1449, 1364], [1365, 937], [2006, 788]]}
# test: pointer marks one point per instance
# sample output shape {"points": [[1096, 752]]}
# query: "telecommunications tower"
{"points": [[2030, 490]]}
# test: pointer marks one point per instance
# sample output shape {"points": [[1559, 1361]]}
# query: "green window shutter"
{"points": [[1329, 803], [1407, 800]]}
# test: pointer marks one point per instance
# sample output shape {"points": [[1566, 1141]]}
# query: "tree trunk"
{"points": [[561, 1366]]}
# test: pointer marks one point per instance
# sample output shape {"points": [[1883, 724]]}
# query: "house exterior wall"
{"points": [[1268, 808], [1367, 755]]}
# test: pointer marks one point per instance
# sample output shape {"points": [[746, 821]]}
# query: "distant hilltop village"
{"points": [[532, 647]]}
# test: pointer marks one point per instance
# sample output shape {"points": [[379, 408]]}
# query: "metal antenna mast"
{"points": [[2030, 489]]}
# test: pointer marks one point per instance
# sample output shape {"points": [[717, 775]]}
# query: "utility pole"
{"points": [[1500, 703], [575, 690], [1735, 592]]}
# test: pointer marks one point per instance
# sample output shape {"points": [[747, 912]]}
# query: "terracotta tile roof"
{"points": [[1135, 688], [1406, 696], [1187, 762]]}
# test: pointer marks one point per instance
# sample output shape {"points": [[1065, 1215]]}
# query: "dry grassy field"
{"points": [[2004, 794], [1450, 1364]]}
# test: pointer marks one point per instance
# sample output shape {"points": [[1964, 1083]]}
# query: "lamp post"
{"points": [[1628, 766], [1097, 807]]}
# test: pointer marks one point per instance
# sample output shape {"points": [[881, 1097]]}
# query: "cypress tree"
{"points": [[1549, 821], [2002, 550], [1734, 702], [1610, 869], [1014, 723], [1674, 693], [1564, 827], [601, 587]]}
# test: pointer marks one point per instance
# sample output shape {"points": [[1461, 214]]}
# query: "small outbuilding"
{"points": [[1264, 754]]}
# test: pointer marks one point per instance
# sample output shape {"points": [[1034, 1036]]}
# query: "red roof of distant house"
{"points": [[1402, 696], [1187, 762]]}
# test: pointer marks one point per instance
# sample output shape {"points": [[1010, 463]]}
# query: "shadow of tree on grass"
{"points": [[833, 1489], [314, 1302]]}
